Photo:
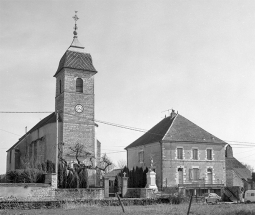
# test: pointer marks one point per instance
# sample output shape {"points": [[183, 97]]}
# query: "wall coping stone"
{"points": [[24, 185]]}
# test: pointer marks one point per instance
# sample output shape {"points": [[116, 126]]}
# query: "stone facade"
{"points": [[184, 156], [77, 127], [166, 164], [171, 164], [149, 151], [35, 147]]}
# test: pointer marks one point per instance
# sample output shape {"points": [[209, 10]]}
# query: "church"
{"points": [[73, 119]]}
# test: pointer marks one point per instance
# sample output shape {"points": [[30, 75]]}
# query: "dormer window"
{"points": [[79, 85]]}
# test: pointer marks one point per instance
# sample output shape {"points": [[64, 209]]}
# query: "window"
{"points": [[209, 176], [195, 154], [79, 85], [209, 154], [194, 174], [180, 175], [140, 156], [252, 194], [179, 153], [60, 90]]}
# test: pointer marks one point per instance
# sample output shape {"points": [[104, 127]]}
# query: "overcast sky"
{"points": [[197, 57]]}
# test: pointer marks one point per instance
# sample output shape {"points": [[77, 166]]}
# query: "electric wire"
{"points": [[251, 144]]}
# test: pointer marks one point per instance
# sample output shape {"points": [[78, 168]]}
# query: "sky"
{"points": [[195, 56]]}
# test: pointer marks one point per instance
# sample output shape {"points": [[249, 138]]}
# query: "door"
{"points": [[180, 175]]}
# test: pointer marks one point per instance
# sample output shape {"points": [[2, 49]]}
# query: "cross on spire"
{"points": [[75, 17]]}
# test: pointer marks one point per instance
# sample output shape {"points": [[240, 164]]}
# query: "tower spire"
{"points": [[76, 46], [75, 17]]}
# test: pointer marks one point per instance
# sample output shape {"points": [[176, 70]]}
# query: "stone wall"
{"points": [[70, 194], [38, 192], [139, 193], [25, 191]]}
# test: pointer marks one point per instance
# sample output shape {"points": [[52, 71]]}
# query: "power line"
{"points": [[114, 152], [247, 156], [10, 132], [135, 129], [244, 152], [25, 112]]}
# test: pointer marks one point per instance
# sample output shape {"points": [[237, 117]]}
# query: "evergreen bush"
{"points": [[136, 177]]}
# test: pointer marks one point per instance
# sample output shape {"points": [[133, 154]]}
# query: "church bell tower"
{"points": [[74, 99]]}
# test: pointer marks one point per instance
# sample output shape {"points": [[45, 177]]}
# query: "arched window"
{"points": [[60, 89], [180, 175], [209, 176], [79, 85]]}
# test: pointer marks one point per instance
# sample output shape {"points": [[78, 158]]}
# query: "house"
{"points": [[184, 156], [237, 175], [73, 119]]}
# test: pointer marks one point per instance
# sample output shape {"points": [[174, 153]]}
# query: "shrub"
{"points": [[25, 176], [137, 177]]}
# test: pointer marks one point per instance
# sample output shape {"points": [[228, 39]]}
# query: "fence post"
{"points": [[106, 187]]}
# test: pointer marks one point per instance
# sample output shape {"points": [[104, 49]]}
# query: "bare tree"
{"points": [[84, 161], [249, 167], [122, 163]]}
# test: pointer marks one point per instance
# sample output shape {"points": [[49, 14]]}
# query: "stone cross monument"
{"points": [[151, 178]]}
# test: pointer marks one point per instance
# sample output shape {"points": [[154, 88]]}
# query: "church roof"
{"points": [[176, 129], [76, 60], [47, 120]]}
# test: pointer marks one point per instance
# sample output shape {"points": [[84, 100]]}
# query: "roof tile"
{"points": [[181, 130], [76, 60]]}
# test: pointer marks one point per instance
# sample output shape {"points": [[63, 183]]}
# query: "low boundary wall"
{"points": [[139, 193], [38, 192]]}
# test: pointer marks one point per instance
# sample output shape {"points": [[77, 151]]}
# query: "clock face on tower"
{"points": [[78, 108]]}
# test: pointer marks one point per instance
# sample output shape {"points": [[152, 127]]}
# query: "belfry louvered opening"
{"points": [[79, 85]]}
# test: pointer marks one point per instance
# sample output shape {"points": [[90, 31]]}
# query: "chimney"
{"points": [[25, 129], [173, 114]]}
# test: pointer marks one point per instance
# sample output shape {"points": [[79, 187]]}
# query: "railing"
{"points": [[200, 185]]}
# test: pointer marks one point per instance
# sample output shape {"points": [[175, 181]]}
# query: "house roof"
{"points": [[155, 134], [76, 60], [48, 119], [233, 164], [176, 129]]}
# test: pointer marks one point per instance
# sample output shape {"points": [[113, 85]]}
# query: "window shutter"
{"points": [[190, 174]]}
